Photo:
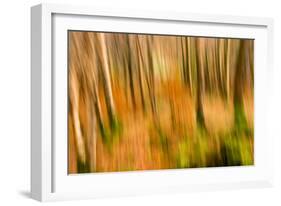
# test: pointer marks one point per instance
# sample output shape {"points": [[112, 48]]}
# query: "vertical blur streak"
{"points": [[143, 102]]}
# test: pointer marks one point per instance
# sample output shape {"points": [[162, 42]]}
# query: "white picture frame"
{"points": [[49, 178]]}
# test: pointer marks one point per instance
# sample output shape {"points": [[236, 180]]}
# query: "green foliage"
{"points": [[116, 126], [240, 119], [112, 132], [234, 148], [183, 156], [246, 153], [162, 137], [193, 151], [82, 167], [231, 151]]}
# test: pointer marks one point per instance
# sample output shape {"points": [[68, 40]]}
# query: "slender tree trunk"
{"points": [[130, 67], [228, 59], [74, 95], [151, 78], [201, 62], [192, 62], [222, 68], [238, 82], [140, 75], [183, 56], [107, 79], [189, 61]]}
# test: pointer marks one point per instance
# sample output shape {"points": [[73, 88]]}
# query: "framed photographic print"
{"points": [[135, 102]]}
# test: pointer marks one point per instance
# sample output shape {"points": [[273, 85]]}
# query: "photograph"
{"points": [[139, 102]]}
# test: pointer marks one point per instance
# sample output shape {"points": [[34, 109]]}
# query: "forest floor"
{"points": [[172, 138]]}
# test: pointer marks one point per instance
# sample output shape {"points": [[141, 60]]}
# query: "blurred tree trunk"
{"points": [[151, 88], [223, 76], [192, 62], [240, 72], [76, 66], [72, 146], [201, 62], [74, 98], [140, 74], [130, 67], [184, 57], [107, 80], [228, 64], [242, 80], [244, 71]]}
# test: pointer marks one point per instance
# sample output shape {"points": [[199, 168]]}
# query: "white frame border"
{"points": [[42, 86]]}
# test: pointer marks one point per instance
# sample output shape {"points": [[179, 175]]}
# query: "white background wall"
{"points": [[15, 101]]}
